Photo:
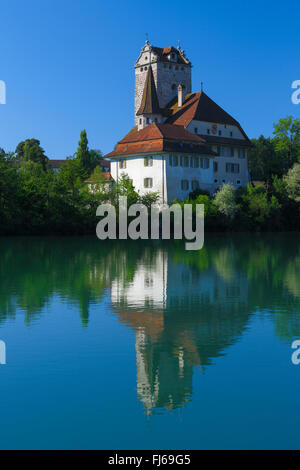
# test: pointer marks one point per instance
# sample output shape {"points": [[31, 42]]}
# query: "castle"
{"points": [[181, 140]]}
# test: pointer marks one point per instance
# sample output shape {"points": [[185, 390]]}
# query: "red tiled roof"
{"points": [[198, 106], [215, 140], [54, 164], [106, 174], [160, 138], [163, 52], [149, 103], [158, 131]]}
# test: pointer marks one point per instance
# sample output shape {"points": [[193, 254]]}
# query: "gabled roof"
{"points": [[149, 103], [199, 107], [163, 52], [160, 138], [159, 130]]}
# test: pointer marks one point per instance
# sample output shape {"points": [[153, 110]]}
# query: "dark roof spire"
{"points": [[149, 103]]}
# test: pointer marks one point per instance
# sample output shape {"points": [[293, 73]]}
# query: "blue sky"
{"points": [[68, 64]]}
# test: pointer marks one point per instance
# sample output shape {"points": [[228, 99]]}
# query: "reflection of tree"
{"points": [[33, 270], [185, 307]]}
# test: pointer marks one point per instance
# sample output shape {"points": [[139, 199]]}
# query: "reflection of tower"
{"points": [[183, 316], [147, 386]]}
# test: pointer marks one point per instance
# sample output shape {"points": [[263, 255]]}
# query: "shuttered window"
{"points": [[148, 182]]}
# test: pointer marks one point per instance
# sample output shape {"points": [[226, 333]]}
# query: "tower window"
{"points": [[148, 161], [145, 68], [146, 58], [184, 161], [147, 120], [173, 160], [148, 182], [220, 132], [140, 120], [230, 133], [142, 69]]}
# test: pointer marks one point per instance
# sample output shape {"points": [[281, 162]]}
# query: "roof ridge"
{"points": [[149, 102]]}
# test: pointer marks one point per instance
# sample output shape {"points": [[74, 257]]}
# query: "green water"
{"points": [[138, 345]]}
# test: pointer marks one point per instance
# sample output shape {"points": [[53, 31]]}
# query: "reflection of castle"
{"points": [[182, 317], [148, 286]]}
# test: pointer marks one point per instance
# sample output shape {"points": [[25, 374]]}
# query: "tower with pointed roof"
{"points": [[164, 69]]}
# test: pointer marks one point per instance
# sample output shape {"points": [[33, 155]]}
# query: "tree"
{"points": [[94, 158], [10, 194], [287, 140], [225, 202], [292, 180], [264, 162], [83, 154], [31, 150]]}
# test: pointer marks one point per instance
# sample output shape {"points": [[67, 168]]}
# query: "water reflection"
{"points": [[185, 308]]}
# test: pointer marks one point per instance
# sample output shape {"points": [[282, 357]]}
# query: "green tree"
{"points": [[264, 162], [31, 150], [292, 181], [287, 140], [225, 201], [94, 158], [84, 155]]}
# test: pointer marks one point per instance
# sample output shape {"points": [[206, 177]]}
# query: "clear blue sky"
{"points": [[68, 64]]}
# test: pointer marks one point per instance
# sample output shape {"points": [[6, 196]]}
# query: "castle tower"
{"points": [[169, 68]]}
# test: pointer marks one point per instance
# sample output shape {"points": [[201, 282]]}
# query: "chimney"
{"points": [[180, 98]]}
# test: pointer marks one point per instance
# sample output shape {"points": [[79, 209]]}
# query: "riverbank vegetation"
{"points": [[34, 199]]}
